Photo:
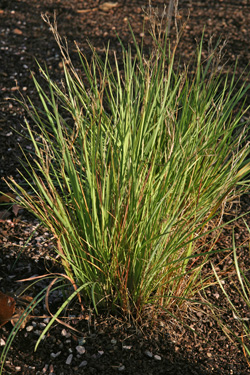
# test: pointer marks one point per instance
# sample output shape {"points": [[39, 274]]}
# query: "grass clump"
{"points": [[132, 161]]}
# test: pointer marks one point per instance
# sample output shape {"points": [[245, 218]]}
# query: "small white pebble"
{"points": [[55, 355], [45, 368], [157, 357], [80, 349], [121, 368], [2, 342], [65, 333], [83, 363], [18, 368], [69, 359], [148, 354], [127, 347], [29, 328]]}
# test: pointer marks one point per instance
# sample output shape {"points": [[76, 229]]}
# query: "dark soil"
{"points": [[111, 344]]}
